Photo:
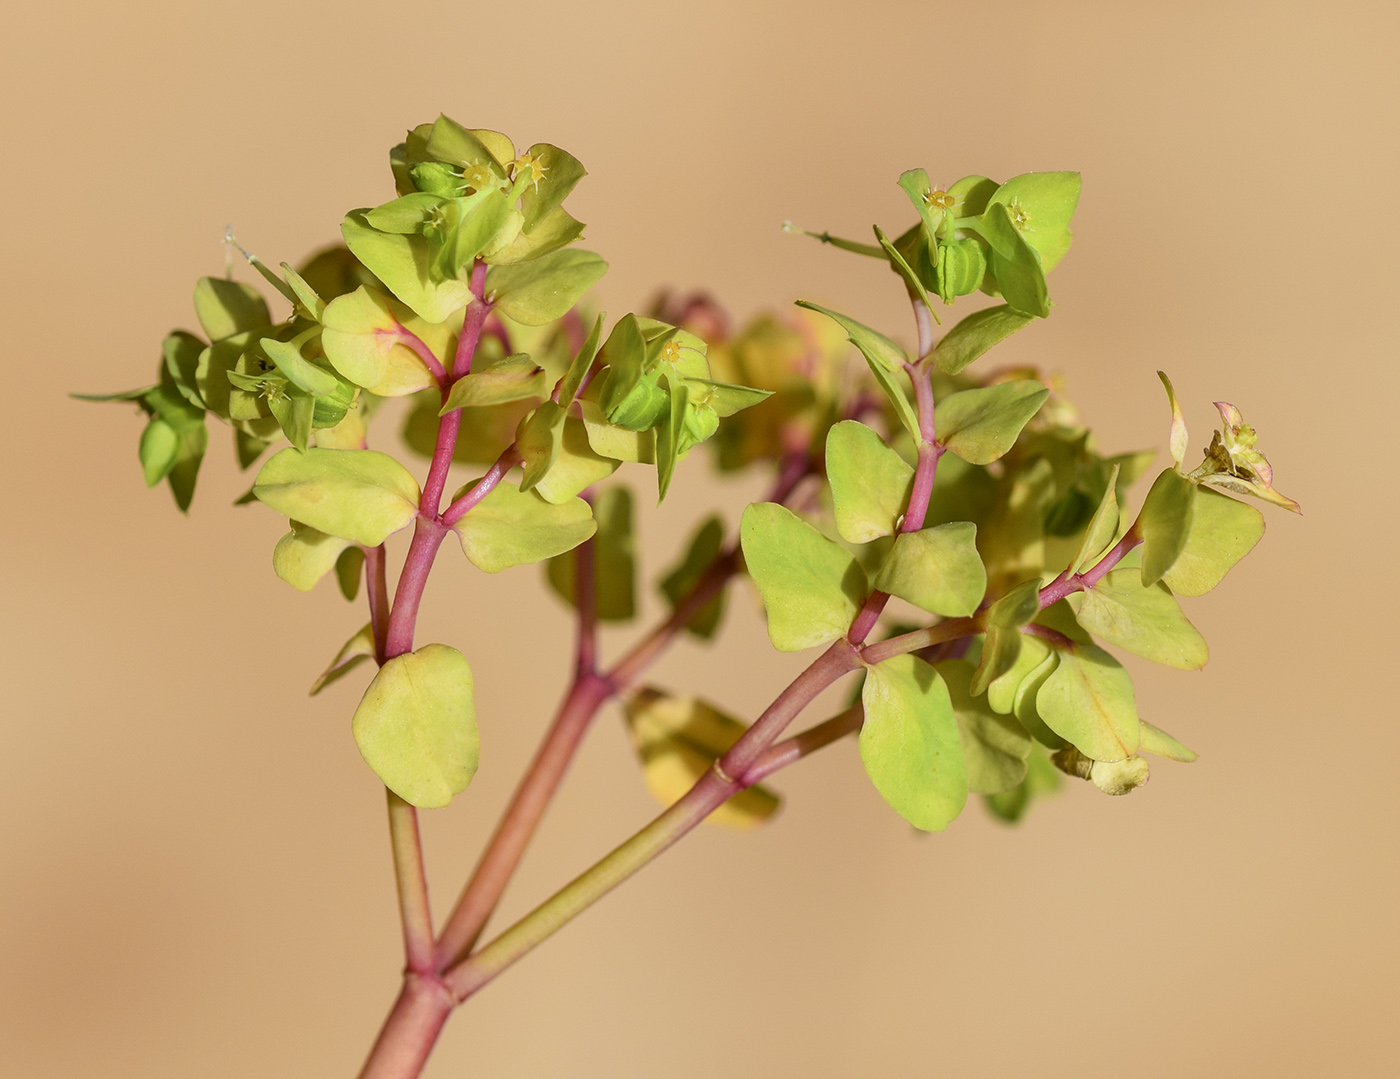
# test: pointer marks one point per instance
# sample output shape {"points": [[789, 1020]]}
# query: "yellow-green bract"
{"points": [[416, 726], [910, 744], [359, 495]]}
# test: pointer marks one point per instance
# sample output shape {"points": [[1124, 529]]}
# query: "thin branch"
{"points": [[710, 792], [414, 911], [791, 750]]}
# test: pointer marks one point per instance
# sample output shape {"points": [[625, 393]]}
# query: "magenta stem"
{"points": [[405, 336], [508, 459], [791, 750], [1066, 584]]}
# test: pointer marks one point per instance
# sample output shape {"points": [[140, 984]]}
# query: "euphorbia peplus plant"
{"points": [[979, 502]]}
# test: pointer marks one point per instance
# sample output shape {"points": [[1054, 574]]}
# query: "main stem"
{"points": [[423, 1005]]}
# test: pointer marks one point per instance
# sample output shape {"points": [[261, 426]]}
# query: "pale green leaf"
{"points": [[994, 745], [561, 171], [349, 571], [975, 334], [1160, 743], [1042, 778], [1165, 523], [1013, 262], [1102, 530], [910, 745], [874, 346], [1003, 623], [513, 528], [405, 265], [1088, 700], [1001, 693], [158, 450], [905, 271], [359, 331], [870, 483], [1025, 708], [515, 378], [937, 569], [360, 495], [811, 587], [557, 230], [577, 466], [1223, 531], [355, 651], [678, 740], [534, 293], [982, 424], [1041, 205], [1145, 621], [416, 726], [304, 555], [225, 307]]}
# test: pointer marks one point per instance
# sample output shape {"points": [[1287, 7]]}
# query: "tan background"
{"points": [[194, 878]]}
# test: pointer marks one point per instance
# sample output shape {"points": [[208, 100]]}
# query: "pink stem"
{"points": [[508, 459]]}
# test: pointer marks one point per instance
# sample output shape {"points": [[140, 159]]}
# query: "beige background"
{"points": [[194, 878]]}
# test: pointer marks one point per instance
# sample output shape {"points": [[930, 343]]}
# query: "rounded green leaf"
{"points": [[534, 293], [982, 424], [1041, 205], [975, 334], [937, 569], [1001, 694], [225, 307], [1042, 778], [513, 528], [1103, 527], [558, 172], [995, 746], [1165, 523], [416, 726], [1159, 742], [158, 450], [405, 265], [349, 570], [874, 346], [1024, 708], [1146, 621], [515, 378], [304, 555], [910, 745], [355, 651], [1089, 701], [1003, 645], [359, 495], [576, 466], [1223, 530], [870, 483], [359, 332], [811, 587], [678, 740], [1013, 264]]}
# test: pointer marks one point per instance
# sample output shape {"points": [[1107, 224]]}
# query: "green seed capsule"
{"points": [[961, 267]]}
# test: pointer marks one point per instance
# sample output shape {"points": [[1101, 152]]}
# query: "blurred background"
{"points": [[196, 878]]}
